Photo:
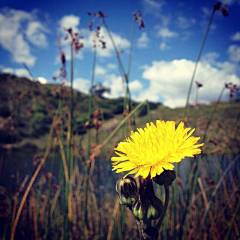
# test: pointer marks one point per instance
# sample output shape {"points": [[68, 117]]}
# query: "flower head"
{"points": [[153, 149]]}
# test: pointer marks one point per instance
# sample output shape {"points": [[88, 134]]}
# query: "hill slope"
{"points": [[27, 109]]}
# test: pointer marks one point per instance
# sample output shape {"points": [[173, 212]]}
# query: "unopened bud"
{"points": [[151, 232], [127, 191], [148, 210], [166, 178]]}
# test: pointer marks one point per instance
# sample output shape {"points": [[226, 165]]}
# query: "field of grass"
{"points": [[56, 179]]}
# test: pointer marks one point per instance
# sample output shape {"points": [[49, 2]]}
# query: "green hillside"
{"points": [[27, 110]]}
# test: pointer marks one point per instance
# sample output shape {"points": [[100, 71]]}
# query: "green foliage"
{"points": [[143, 110], [39, 124]]}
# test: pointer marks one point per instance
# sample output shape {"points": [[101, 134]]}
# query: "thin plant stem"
{"points": [[120, 62], [217, 187], [232, 221], [123, 121], [90, 106], [212, 114], [131, 47], [28, 190], [196, 63], [164, 208]]}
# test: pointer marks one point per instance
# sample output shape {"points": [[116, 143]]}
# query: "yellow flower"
{"points": [[154, 149]]}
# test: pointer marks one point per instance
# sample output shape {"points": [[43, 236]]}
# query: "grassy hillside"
{"points": [[27, 109]]}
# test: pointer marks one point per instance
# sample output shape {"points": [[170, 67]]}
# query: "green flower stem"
{"points": [[119, 61], [175, 191], [123, 121], [232, 221], [90, 106], [164, 208], [213, 112], [131, 46], [198, 58]]}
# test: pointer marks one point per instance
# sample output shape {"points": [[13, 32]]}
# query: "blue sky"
{"points": [[163, 56]]}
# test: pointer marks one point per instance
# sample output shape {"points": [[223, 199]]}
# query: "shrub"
{"points": [[39, 124]]}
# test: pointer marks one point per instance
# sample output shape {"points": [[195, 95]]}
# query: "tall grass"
{"points": [[71, 192]]}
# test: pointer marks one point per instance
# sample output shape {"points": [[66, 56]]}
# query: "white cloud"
{"points": [[112, 66], [234, 53], [120, 42], [135, 86], [115, 83], [69, 21], [210, 57], [235, 37], [142, 42], [153, 7], [20, 72], [170, 81], [36, 34], [16, 29], [100, 70], [42, 80], [229, 2], [82, 85], [185, 23], [166, 33], [163, 46]]}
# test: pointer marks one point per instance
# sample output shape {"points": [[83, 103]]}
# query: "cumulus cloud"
{"points": [[234, 53], [135, 86], [120, 42], [153, 7], [166, 33], [69, 21], [20, 72], [143, 41], [114, 82], [170, 81], [88, 38], [17, 29], [111, 66], [235, 37], [82, 85], [185, 23], [100, 70], [36, 34], [163, 46], [42, 80]]}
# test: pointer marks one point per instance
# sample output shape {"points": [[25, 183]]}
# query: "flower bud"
{"points": [[151, 232], [127, 191], [166, 178], [148, 210]]}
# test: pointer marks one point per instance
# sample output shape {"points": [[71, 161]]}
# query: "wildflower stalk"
{"points": [[123, 121], [232, 221], [90, 106], [128, 94], [13, 230], [230, 165], [196, 63], [212, 114], [158, 226], [131, 47]]}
